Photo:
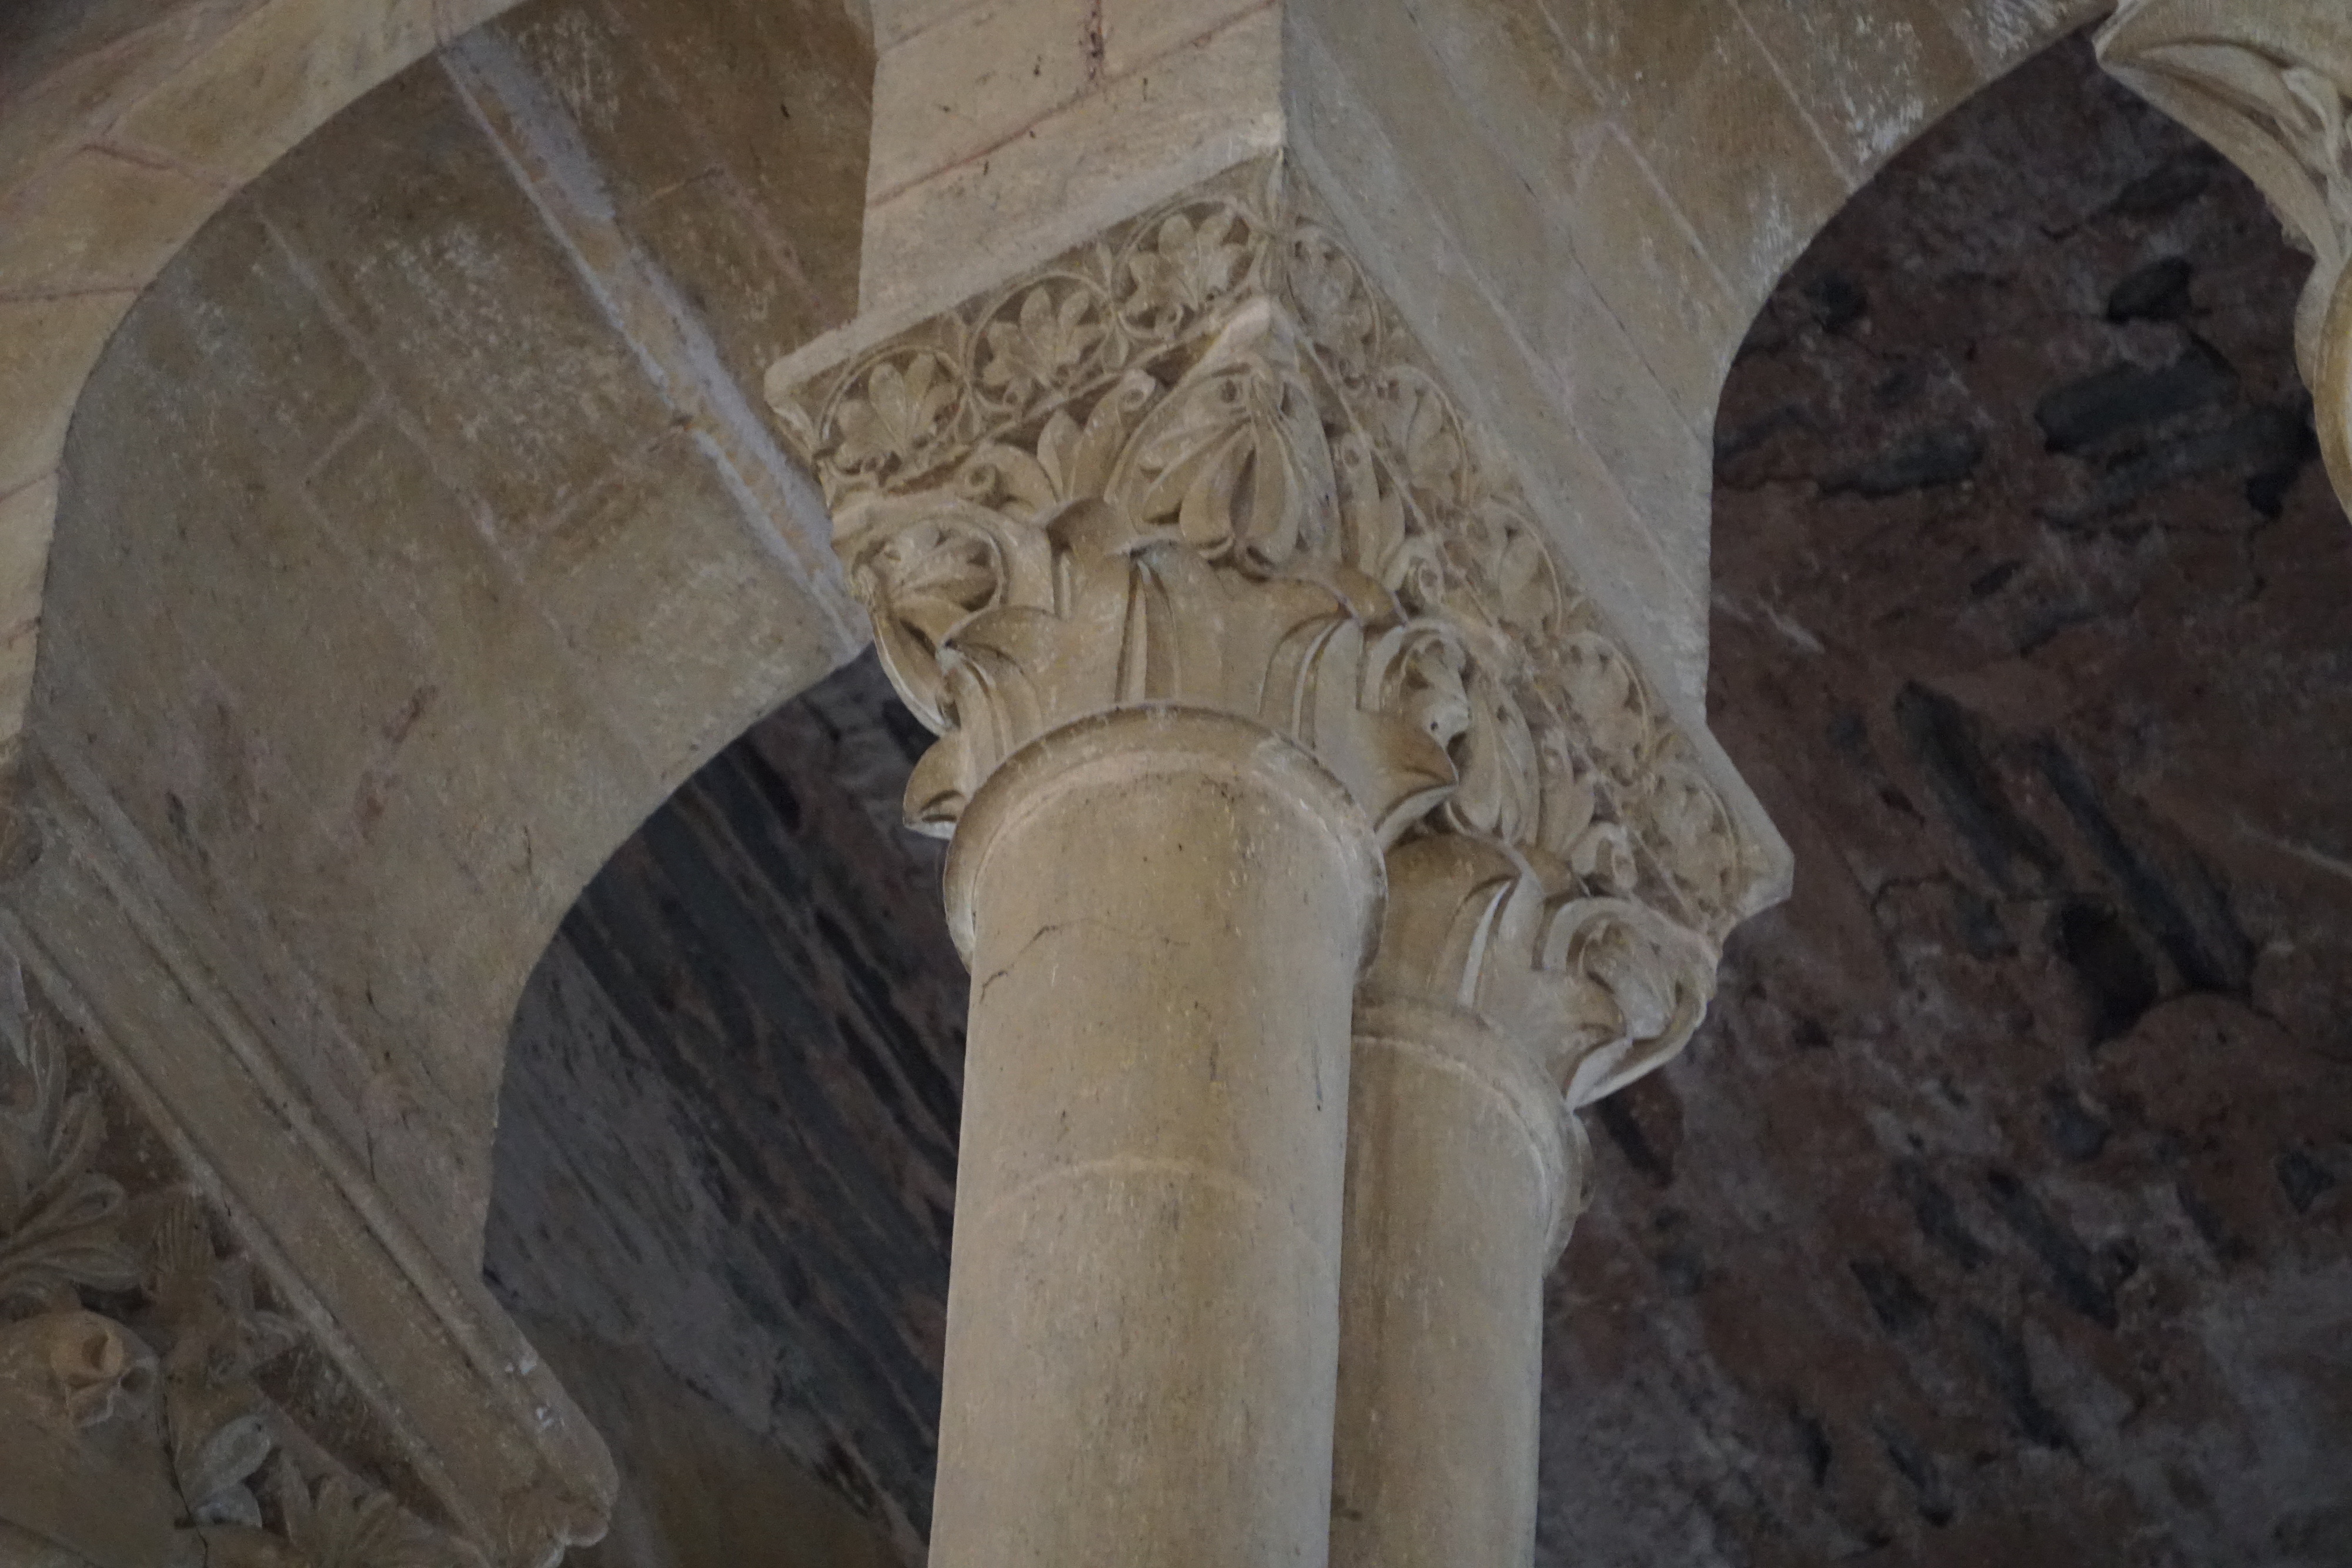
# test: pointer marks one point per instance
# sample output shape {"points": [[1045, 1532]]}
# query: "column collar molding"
{"points": [[1211, 403]]}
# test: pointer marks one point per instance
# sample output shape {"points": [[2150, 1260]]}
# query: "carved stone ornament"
{"points": [[1200, 460], [135, 1428], [2268, 83]]}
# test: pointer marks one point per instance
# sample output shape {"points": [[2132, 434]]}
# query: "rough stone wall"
{"points": [[2000, 1213]]}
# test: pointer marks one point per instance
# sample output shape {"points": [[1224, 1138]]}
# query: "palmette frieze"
{"points": [[1199, 461]]}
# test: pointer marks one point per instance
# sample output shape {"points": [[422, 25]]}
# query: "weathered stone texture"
{"points": [[2000, 1213], [405, 563], [727, 1141], [1997, 1215]]}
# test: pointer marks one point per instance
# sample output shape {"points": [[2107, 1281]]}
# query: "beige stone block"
{"points": [[1637, 56], [275, 76], [1647, 265], [238, 317], [689, 629], [706, 239], [47, 350], [1579, 352], [19, 657], [27, 516], [510, 734], [64, 88], [2001, 34], [895, 21], [645, 140], [1600, 514], [145, 710], [781, 94], [1870, 74], [1136, 33], [290, 718], [479, 322], [1205, 107], [1510, 68], [1438, 149], [317, 687], [972, 80], [1599, 375], [100, 220], [250, 713], [773, 94], [420, 899], [41, 42], [1742, 164]]}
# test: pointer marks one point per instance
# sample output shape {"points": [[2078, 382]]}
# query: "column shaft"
{"points": [[1455, 1185], [1167, 911]]}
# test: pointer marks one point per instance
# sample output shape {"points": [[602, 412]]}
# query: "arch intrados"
{"points": [[120, 141], [200, 102]]}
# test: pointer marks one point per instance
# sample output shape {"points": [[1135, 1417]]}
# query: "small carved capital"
{"points": [[2268, 83], [1588, 987], [1598, 986], [1201, 461]]}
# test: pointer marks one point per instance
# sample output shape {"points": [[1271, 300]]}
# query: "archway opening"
{"points": [[2000, 1207]]}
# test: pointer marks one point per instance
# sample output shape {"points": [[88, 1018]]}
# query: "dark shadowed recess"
{"points": [[1999, 1215], [727, 1144]]}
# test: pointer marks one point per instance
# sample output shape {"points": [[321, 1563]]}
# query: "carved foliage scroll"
{"points": [[1200, 460], [135, 1430]]}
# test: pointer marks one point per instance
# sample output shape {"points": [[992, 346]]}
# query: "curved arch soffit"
{"points": [[117, 143], [1866, 124]]}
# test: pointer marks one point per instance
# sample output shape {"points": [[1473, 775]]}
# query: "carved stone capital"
{"points": [[1200, 460], [2269, 83], [1596, 985], [1581, 988]]}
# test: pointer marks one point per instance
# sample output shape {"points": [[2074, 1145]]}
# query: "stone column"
{"points": [[1503, 995], [2269, 83], [1174, 751], [1166, 907], [1213, 597]]}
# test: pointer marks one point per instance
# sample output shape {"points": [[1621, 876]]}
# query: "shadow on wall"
{"points": [[726, 1160], [2002, 1213]]}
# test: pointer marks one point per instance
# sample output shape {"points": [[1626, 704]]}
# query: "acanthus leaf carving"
{"points": [[133, 1423], [60, 1221], [1198, 462], [1601, 988]]}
